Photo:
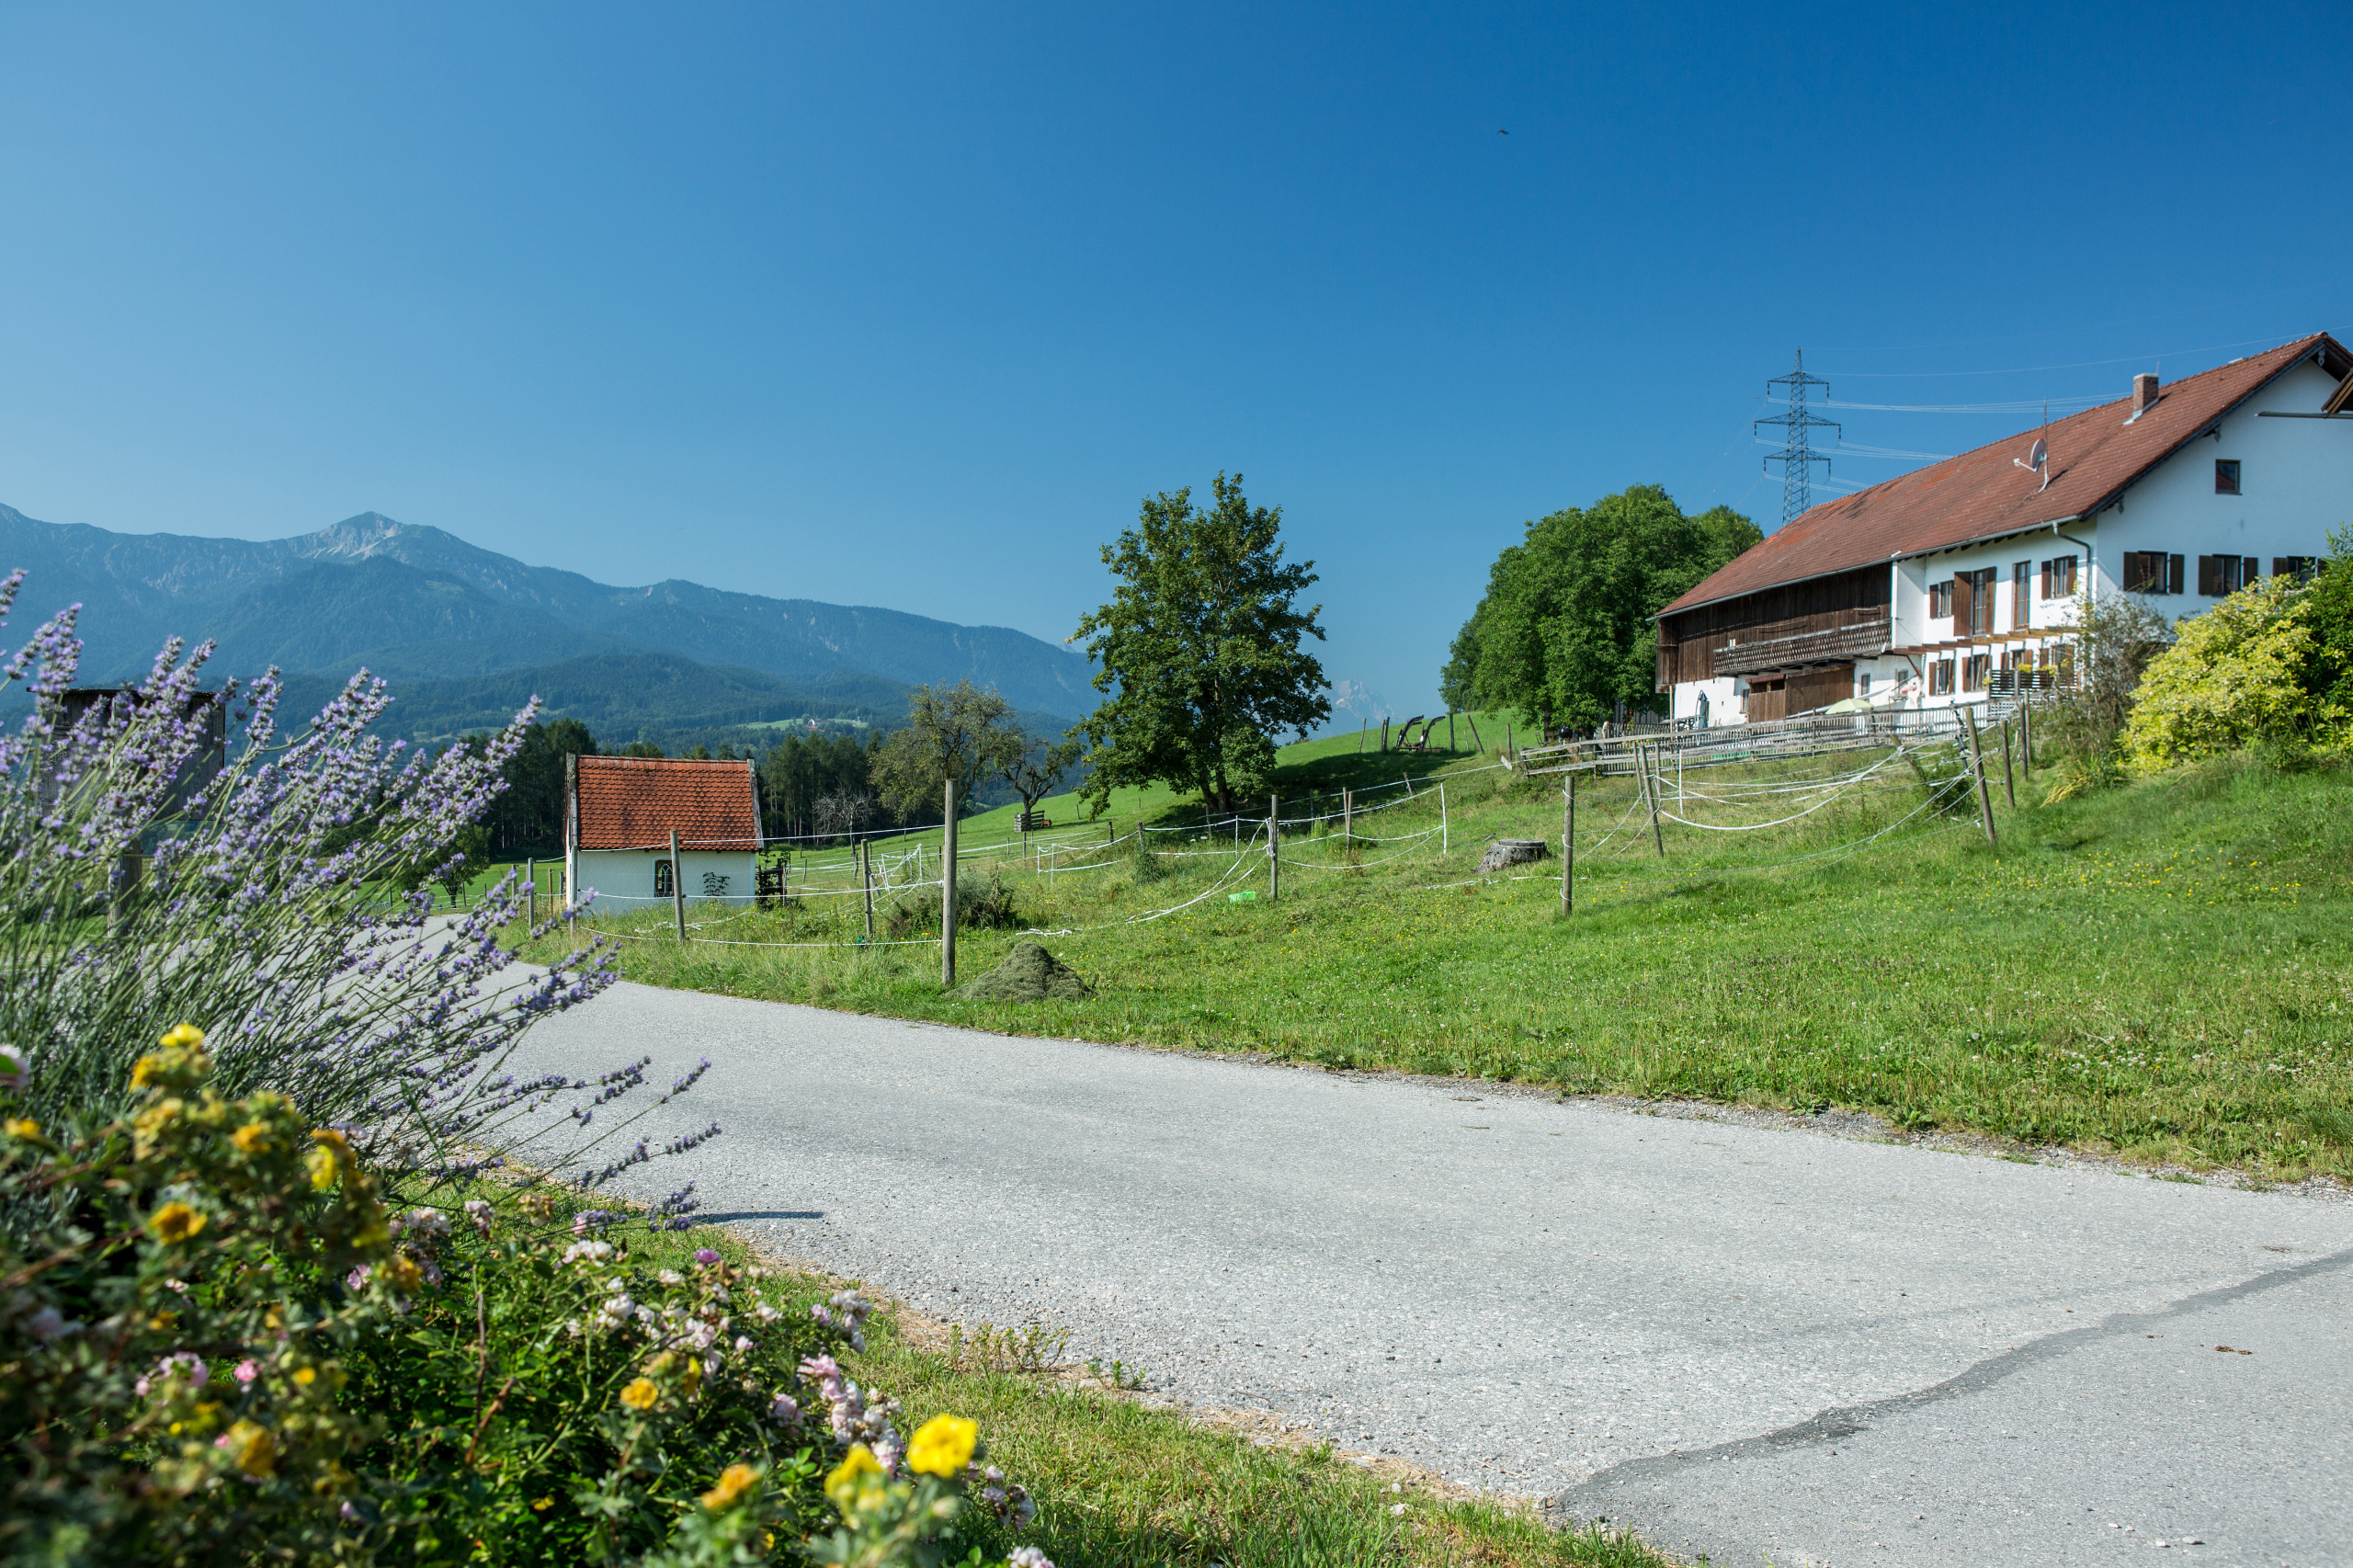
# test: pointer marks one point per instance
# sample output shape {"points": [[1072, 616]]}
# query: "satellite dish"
{"points": [[2039, 462]]}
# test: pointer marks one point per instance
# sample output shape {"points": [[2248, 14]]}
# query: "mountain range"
{"points": [[465, 635]]}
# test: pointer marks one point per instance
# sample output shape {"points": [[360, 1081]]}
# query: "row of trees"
{"points": [[830, 785], [1565, 628]]}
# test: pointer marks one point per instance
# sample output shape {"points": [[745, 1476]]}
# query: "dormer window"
{"points": [[2226, 476]]}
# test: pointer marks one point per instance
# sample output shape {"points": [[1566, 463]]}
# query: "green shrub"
{"points": [[983, 902], [2235, 677], [220, 1345]]}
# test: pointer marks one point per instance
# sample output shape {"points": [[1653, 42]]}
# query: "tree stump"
{"points": [[1505, 852]]}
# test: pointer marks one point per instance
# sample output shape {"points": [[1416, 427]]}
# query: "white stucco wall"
{"points": [[623, 879]]}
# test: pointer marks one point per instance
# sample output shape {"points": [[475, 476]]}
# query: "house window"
{"points": [[1972, 602], [664, 884], [1973, 671], [1863, 684], [2059, 577], [2226, 476], [2219, 575], [1940, 678], [2022, 605], [2152, 572], [1940, 599], [2303, 568]]}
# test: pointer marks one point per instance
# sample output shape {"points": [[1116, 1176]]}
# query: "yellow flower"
{"points": [[253, 1138], [23, 1127], [942, 1445], [306, 1376], [402, 1274], [143, 1071], [850, 1480], [175, 1222], [321, 1167], [733, 1482], [543, 1505], [184, 1037], [252, 1448], [641, 1394]]}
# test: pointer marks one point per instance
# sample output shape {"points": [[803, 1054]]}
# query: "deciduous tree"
{"points": [[1565, 626], [1200, 650], [953, 731]]}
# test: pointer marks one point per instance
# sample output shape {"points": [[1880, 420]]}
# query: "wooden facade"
{"points": [[1815, 624]]}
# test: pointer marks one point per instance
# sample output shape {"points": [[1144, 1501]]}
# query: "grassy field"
{"points": [[2159, 971]]}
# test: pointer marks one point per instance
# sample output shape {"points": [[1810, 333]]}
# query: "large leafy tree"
{"points": [[1565, 628], [1200, 650]]}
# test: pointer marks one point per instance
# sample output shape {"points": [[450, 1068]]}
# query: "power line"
{"points": [[2271, 340]]}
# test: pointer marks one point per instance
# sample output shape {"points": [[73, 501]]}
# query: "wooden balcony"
{"points": [[1824, 645]]}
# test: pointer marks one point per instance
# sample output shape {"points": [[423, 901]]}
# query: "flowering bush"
{"points": [[220, 1341], [169, 852], [177, 1322]]}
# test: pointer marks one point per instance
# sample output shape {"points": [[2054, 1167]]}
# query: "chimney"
{"points": [[2144, 393]]}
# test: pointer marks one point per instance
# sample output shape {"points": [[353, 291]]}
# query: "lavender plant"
{"points": [[148, 871]]}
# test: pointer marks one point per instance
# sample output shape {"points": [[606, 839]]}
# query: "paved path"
{"points": [[1759, 1345]]}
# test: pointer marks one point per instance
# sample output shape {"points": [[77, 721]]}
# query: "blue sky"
{"points": [[909, 306]]}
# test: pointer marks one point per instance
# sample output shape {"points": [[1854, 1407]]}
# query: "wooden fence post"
{"points": [[531, 911], [866, 879], [2026, 739], [1478, 746], [678, 886], [1274, 848], [947, 895], [1977, 766], [1450, 729], [1646, 758], [1569, 844], [2009, 789]]}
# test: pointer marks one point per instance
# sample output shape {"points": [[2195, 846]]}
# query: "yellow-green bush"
{"points": [[2235, 676]]}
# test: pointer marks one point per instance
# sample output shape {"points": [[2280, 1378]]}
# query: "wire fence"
{"points": [[1777, 783]]}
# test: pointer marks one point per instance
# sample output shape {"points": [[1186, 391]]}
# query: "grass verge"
{"points": [[1118, 1483]]}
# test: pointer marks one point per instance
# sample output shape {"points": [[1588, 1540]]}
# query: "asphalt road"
{"points": [[1757, 1344]]}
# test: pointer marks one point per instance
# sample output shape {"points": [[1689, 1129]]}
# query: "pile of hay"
{"points": [[1029, 973]]}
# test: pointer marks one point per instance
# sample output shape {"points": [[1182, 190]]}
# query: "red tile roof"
{"points": [[1982, 494], [636, 802]]}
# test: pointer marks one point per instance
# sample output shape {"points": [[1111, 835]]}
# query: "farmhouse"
{"points": [[619, 812], [1967, 578]]}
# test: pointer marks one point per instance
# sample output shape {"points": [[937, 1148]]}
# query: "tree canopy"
{"points": [[1565, 626], [953, 731], [1200, 650]]}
